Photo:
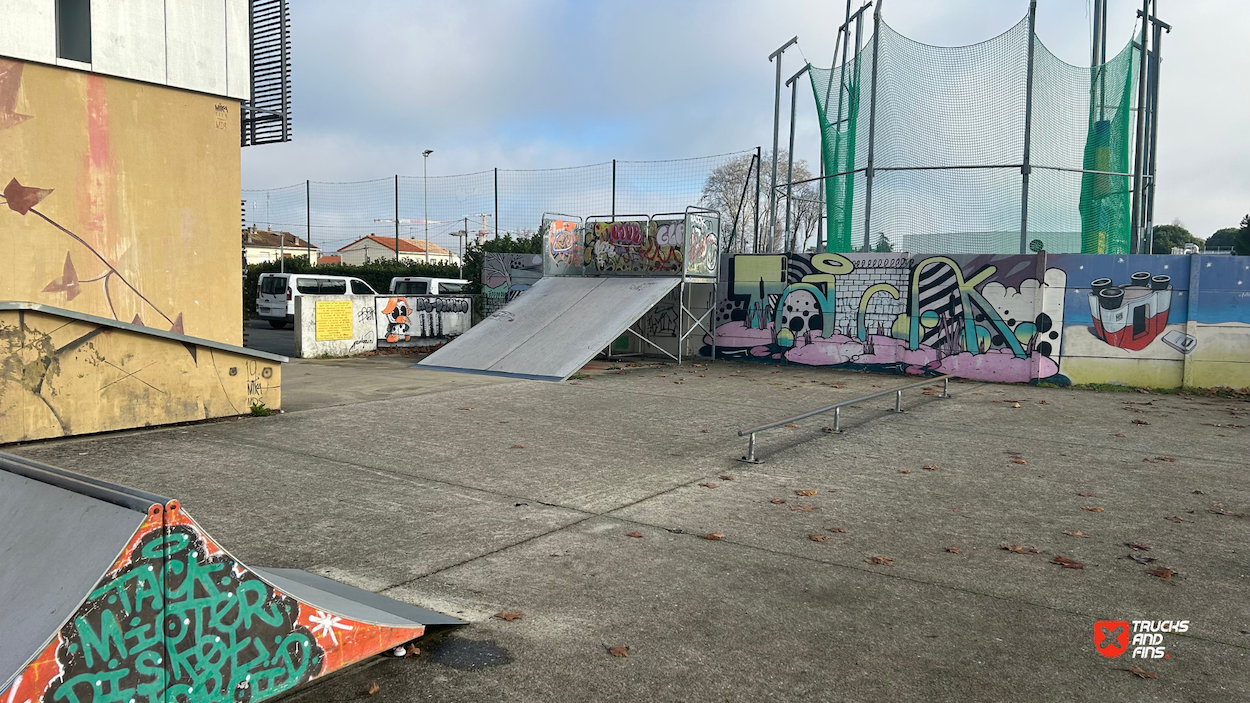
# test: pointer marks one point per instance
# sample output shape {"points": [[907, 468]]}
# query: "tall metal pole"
{"points": [[793, 85], [772, 185], [308, 219], [497, 230], [872, 124], [1159, 28], [755, 246], [397, 218], [463, 239], [1026, 163], [820, 191], [614, 190], [1135, 244]]}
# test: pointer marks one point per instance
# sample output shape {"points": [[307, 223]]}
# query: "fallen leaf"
{"points": [[466, 408], [374, 688], [1015, 405], [714, 536], [778, 501], [710, 485], [1139, 558], [1141, 673], [1076, 533], [1066, 562], [1042, 402], [1143, 390], [1092, 508], [1020, 549], [1140, 422], [1087, 495], [508, 615], [517, 446], [1222, 511], [806, 492], [1022, 462], [837, 529], [411, 651], [954, 550], [1138, 547], [1119, 434], [804, 508], [726, 477], [1176, 518], [634, 534], [618, 651], [904, 471], [703, 431], [1162, 572], [1165, 458], [931, 467], [880, 561], [1200, 493], [818, 538], [790, 424]]}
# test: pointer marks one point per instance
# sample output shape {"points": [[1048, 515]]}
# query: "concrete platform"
{"points": [[424, 498]]}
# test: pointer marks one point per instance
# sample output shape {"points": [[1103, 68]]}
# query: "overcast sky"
{"points": [[539, 84]]}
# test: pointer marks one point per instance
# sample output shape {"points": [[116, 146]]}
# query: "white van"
{"points": [[424, 285], [276, 293]]}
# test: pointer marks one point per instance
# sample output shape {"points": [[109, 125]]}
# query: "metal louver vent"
{"points": [[267, 116]]}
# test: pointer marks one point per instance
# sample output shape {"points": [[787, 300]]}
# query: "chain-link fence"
{"points": [[489, 203]]}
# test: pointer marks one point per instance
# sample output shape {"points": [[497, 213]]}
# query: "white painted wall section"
{"points": [[238, 58], [28, 30], [128, 39], [196, 35]]}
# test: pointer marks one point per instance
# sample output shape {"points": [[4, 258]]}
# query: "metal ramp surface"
{"points": [[109, 593], [549, 333]]}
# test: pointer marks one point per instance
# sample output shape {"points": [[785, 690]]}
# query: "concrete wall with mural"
{"points": [[1158, 321], [505, 276], [120, 199], [335, 325], [421, 320], [63, 373]]}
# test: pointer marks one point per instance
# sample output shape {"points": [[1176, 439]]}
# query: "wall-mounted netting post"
{"points": [[948, 144]]}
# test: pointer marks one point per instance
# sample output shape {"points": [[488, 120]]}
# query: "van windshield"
{"points": [[412, 287], [273, 285], [450, 287]]}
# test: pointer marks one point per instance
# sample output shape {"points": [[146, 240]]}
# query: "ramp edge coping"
{"points": [[129, 498]]}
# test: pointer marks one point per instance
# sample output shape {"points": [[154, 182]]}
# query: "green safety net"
{"points": [[948, 144]]}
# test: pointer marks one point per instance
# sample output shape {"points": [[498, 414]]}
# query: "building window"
{"points": [[73, 30]]}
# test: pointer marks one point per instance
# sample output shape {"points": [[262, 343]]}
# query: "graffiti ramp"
{"points": [[554, 329], [114, 594]]}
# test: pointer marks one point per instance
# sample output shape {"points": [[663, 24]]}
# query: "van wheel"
{"points": [[277, 324]]}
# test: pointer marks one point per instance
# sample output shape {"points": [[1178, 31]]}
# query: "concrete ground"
{"points": [[474, 496]]}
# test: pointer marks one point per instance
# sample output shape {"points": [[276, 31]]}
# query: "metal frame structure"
{"points": [[266, 114], [750, 432]]}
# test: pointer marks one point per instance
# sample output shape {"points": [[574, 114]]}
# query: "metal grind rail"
{"points": [[837, 412]]}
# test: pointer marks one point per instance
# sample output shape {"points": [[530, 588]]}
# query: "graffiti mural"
{"points": [[505, 276], [562, 245], [179, 619], [639, 246], [964, 315], [424, 317], [702, 245]]}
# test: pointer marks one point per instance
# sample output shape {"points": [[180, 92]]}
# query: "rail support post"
{"points": [[898, 401], [837, 420], [750, 457], [946, 388]]}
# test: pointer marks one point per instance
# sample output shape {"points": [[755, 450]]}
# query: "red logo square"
{"points": [[1111, 637]]}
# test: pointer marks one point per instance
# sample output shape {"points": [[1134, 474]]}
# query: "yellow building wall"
{"points": [[60, 377], [133, 197]]}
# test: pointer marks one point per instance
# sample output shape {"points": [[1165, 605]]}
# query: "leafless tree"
{"points": [[723, 191]]}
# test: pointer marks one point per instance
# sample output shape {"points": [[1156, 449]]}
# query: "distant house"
{"points": [[261, 245], [375, 248], [330, 259]]}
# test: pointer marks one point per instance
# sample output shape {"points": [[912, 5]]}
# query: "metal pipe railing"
{"points": [[837, 412]]}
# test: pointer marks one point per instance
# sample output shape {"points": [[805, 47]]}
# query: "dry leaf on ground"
{"points": [[1141, 673], [778, 501], [508, 615], [374, 688], [466, 408], [1119, 434], [837, 529], [1140, 422], [880, 561], [517, 446], [1092, 508], [931, 467], [807, 492], [1015, 405], [1140, 558], [1200, 493], [954, 550], [818, 538], [1020, 549], [618, 651], [1162, 572], [1022, 462], [804, 508], [1066, 562], [904, 471], [1076, 533], [790, 424], [726, 477], [710, 485], [1165, 458], [1176, 518], [1138, 547], [411, 650], [1087, 495], [634, 534], [714, 536]]}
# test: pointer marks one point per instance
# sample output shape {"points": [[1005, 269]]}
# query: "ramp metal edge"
{"points": [[487, 372], [140, 329], [83, 485], [143, 495], [377, 601]]}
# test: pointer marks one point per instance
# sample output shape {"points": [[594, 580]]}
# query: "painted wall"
{"points": [[199, 45], [421, 320], [120, 199], [505, 276], [1157, 321], [60, 377], [335, 325]]}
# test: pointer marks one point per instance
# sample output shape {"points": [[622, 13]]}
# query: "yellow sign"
{"points": [[334, 320]]}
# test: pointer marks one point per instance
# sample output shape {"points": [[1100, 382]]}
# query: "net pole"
{"points": [[308, 219], [772, 185], [793, 84], [1135, 243], [1154, 122], [820, 223], [497, 230], [872, 123], [1025, 170], [755, 246], [614, 190]]}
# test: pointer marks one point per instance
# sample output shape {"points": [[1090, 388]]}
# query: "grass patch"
{"points": [[259, 410], [1243, 393], [578, 376]]}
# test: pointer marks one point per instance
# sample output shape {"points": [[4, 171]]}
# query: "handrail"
{"points": [[837, 414]]}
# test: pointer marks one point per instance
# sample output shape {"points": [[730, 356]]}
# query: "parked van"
{"points": [[424, 285], [276, 293]]}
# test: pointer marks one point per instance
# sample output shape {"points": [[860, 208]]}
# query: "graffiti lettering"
{"points": [[625, 234]]}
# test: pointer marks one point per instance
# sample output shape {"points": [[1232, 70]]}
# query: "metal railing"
{"points": [[837, 412]]}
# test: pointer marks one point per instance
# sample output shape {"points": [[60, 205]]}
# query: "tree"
{"points": [[1173, 235], [883, 244], [722, 191], [1222, 239], [1241, 246]]}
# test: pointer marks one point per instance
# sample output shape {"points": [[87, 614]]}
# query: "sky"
{"points": [[532, 84]]}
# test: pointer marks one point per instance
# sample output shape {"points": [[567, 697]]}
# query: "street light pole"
{"points": [[425, 199]]}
